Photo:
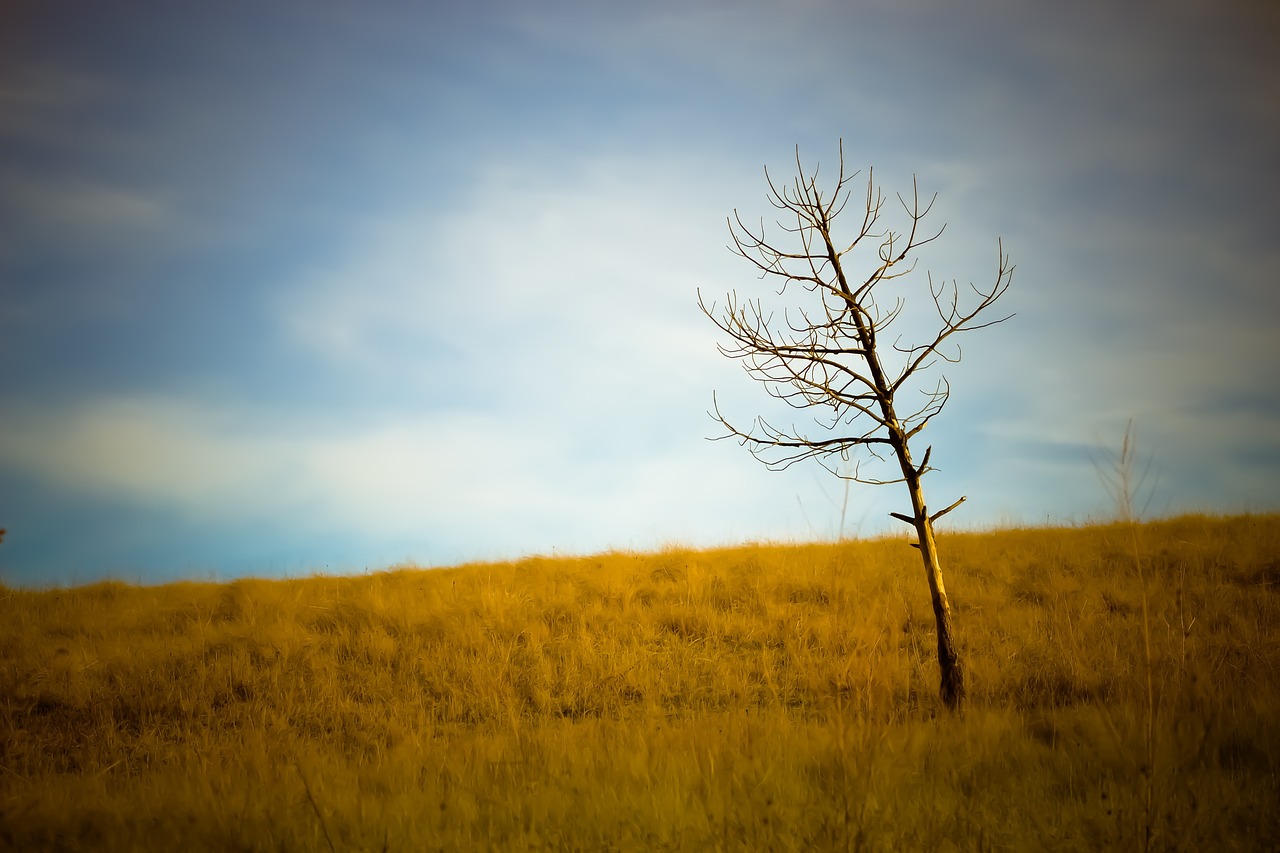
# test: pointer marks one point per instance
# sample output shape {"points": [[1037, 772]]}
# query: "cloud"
{"points": [[458, 483], [564, 287], [53, 115], [69, 211], [228, 463], [152, 451], [36, 97]]}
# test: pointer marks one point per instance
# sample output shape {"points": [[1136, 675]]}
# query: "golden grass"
{"points": [[761, 697]]}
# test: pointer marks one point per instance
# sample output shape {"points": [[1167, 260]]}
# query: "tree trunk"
{"points": [[949, 664]]}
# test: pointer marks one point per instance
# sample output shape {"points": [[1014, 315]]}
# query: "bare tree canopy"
{"points": [[826, 353]]}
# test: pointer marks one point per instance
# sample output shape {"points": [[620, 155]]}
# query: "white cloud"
{"points": [[150, 450], [575, 289], [484, 485], [229, 463]]}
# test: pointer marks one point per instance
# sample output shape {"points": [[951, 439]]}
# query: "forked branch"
{"points": [[825, 357]]}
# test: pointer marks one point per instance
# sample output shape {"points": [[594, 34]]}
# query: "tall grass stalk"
{"points": [[1124, 483]]}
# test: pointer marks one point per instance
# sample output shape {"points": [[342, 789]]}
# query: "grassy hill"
{"points": [[763, 697]]}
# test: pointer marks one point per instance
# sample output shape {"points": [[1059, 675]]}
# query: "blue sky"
{"points": [[323, 286]]}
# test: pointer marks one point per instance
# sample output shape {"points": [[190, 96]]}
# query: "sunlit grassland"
{"points": [[762, 697]]}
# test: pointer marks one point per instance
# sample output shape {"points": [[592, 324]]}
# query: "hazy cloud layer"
{"points": [[336, 288]]}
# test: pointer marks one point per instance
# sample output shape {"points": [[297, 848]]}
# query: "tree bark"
{"points": [[950, 665]]}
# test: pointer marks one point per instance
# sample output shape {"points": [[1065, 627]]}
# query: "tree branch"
{"points": [[825, 359], [941, 513]]}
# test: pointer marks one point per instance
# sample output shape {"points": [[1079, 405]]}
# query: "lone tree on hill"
{"points": [[829, 352]]}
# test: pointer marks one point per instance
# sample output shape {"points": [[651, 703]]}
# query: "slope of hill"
{"points": [[760, 697]]}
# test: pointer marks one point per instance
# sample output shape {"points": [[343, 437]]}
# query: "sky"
{"points": [[296, 287]]}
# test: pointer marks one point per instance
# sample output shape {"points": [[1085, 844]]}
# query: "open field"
{"points": [[762, 697]]}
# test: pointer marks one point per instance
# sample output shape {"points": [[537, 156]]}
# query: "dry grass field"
{"points": [[754, 698]]}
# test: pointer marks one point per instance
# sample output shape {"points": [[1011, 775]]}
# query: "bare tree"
{"points": [[828, 353]]}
